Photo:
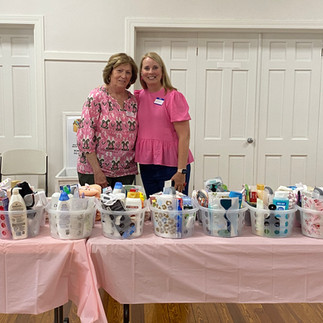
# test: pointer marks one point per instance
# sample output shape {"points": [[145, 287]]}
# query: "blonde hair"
{"points": [[165, 80], [117, 60]]}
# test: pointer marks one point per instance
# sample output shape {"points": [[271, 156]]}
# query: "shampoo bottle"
{"points": [[18, 215]]}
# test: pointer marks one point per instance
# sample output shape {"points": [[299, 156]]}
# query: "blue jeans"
{"points": [[154, 176]]}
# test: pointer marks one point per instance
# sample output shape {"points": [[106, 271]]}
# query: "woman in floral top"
{"points": [[108, 128]]}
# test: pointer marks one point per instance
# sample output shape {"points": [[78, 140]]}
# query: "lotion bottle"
{"points": [[63, 217], [18, 215]]}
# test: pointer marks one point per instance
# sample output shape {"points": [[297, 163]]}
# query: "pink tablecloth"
{"points": [[41, 273], [246, 269]]}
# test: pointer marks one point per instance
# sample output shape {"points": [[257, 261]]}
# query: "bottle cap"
{"points": [[260, 186], [118, 185], [15, 190], [63, 196]]}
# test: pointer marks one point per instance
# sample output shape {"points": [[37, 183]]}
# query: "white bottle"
{"points": [[119, 192], [54, 200], [63, 217], [18, 215]]}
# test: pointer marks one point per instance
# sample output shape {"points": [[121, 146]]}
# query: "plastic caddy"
{"points": [[221, 222], [127, 224], [34, 220], [311, 222], [75, 223], [174, 224], [272, 223]]}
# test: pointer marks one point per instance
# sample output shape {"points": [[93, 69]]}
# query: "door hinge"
{"points": [[197, 51], [322, 52]]}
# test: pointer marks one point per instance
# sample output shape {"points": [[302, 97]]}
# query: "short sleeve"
{"points": [[178, 107], [137, 95]]}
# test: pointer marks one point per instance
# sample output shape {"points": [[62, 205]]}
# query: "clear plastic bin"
{"points": [[222, 223], [272, 223], [173, 224], [34, 220], [311, 222], [72, 225], [123, 224]]}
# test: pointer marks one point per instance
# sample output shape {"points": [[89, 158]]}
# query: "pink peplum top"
{"points": [[157, 141]]}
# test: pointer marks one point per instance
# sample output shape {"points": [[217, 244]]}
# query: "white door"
{"points": [[18, 111], [289, 108], [225, 108], [240, 86], [178, 52]]}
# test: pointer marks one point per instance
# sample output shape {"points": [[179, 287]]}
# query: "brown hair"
{"points": [[116, 60], [165, 80]]}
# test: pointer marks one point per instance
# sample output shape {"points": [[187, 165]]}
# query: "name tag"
{"points": [[159, 101]]}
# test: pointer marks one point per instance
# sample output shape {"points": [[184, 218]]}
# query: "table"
{"points": [[205, 269], [42, 273]]}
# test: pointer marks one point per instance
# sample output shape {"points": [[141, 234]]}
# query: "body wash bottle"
{"points": [[18, 215]]}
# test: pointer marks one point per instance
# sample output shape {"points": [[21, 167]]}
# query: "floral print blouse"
{"points": [[110, 131]]}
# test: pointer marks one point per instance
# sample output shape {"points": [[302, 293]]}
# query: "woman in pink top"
{"points": [[108, 128], [162, 147]]}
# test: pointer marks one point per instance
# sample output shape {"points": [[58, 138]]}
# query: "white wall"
{"points": [[79, 36]]}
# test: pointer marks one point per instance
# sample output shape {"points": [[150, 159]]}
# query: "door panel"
{"points": [[18, 122], [289, 108], [178, 52], [225, 101], [265, 87]]}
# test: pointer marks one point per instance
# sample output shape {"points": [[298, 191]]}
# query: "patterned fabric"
{"points": [[110, 131], [157, 141]]}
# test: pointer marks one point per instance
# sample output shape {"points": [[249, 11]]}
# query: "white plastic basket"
{"points": [[123, 224], [272, 223], [173, 224], [311, 222], [34, 220], [222, 223], [72, 225]]}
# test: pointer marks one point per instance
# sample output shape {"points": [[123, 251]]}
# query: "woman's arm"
{"points": [[182, 129], [99, 177]]}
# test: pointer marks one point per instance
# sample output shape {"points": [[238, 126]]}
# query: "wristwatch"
{"points": [[182, 170]]}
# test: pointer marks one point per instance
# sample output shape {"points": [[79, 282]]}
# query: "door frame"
{"points": [[135, 25], [36, 22]]}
